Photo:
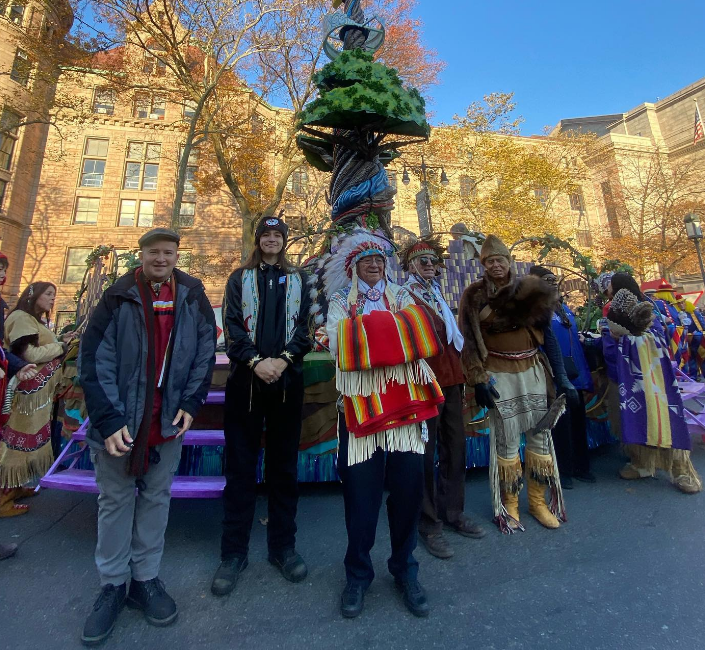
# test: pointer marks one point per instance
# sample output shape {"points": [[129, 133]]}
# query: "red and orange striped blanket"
{"points": [[381, 373]]}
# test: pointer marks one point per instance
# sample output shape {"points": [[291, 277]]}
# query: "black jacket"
{"points": [[240, 348], [113, 357]]}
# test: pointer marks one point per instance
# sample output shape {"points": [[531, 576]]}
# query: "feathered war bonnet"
{"points": [[424, 247], [346, 251]]}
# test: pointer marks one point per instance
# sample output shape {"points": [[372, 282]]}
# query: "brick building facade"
{"points": [[26, 90], [108, 177]]}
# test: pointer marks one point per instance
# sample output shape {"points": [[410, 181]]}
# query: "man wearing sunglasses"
{"points": [[444, 497]]}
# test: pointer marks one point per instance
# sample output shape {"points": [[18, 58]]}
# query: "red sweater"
{"points": [[163, 305]]}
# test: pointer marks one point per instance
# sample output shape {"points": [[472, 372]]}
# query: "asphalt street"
{"points": [[626, 571]]}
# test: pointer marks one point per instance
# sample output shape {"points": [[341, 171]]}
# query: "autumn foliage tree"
{"points": [[501, 183], [235, 61], [650, 196]]}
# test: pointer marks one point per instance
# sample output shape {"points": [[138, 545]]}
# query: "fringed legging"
{"points": [[508, 443]]}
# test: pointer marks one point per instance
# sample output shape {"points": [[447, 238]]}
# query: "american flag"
{"points": [[699, 135]]}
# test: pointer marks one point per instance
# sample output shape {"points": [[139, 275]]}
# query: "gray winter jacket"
{"points": [[113, 358]]}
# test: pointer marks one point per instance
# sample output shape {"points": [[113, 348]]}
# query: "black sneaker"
{"points": [[291, 564], [352, 600], [101, 620], [150, 596], [226, 576], [414, 597]]}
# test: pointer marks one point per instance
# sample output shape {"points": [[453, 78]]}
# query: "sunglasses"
{"points": [[428, 260]]}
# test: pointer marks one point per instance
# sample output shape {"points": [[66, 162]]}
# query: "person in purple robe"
{"points": [[650, 420]]}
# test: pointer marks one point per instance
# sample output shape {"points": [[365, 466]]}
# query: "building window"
{"points": [[189, 108], [154, 63], [121, 263], [191, 170], [152, 107], [86, 212], [611, 210], [93, 169], [158, 108], [134, 212], [3, 188], [189, 180], [584, 238], [21, 68], [75, 268], [298, 182], [140, 170], [467, 187], [542, 194], [392, 180], [104, 101], [8, 137], [577, 202], [16, 13], [186, 214], [184, 262]]}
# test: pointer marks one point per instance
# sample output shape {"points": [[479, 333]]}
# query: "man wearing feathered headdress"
{"points": [[505, 320], [379, 339], [444, 497]]}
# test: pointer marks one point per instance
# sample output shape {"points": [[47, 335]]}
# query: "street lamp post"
{"points": [[423, 169], [695, 234]]}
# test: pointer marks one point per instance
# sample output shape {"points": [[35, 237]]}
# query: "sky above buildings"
{"points": [[563, 59]]}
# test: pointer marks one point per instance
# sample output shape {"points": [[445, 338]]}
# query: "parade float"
{"points": [[363, 117]]}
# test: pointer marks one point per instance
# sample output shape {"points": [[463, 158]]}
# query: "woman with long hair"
{"points": [[25, 450]]}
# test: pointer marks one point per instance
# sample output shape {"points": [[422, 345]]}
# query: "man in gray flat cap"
{"points": [[146, 362]]}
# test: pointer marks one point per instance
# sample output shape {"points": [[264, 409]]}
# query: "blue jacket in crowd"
{"points": [[566, 331]]}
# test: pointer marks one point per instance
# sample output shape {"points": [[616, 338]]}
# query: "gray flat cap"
{"points": [[159, 233]]}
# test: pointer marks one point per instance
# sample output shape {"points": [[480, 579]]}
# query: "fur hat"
{"points": [[493, 245], [271, 223], [628, 312], [426, 246]]}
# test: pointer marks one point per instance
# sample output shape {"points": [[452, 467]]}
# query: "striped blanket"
{"points": [[385, 382], [383, 338]]}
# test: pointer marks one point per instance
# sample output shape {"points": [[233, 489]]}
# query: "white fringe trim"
{"points": [[406, 438], [367, 382]]}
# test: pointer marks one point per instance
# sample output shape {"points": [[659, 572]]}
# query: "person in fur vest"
{"points": [[505, 320]]}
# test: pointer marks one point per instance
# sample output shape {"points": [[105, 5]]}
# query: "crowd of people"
{"points": [[406, 367]]}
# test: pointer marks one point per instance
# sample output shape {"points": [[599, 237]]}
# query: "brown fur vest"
{"points": [[524, 302]]}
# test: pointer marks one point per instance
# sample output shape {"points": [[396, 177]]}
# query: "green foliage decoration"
{"points": [[356, 92]]}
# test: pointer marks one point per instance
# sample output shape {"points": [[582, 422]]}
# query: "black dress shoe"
{"points": [[101, 620], [585, 477], [414, 597], [566, 482], [226, 576], [150, 596], [291, 564], [352, 600]]}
